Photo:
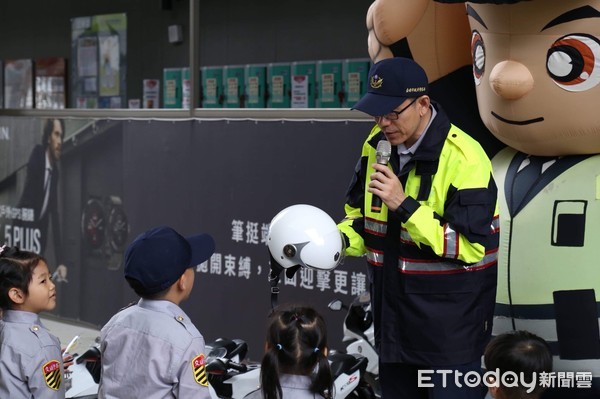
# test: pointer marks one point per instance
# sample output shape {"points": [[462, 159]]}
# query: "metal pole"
{"points": [[194, 47]]}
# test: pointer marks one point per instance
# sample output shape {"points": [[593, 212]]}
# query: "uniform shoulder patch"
{"points": [[52, 374], [199, 370]]}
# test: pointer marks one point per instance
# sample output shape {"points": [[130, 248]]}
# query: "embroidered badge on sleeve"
{"points": [[199, 370], [52, 374]]}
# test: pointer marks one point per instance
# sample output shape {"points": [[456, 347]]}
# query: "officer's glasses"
{"points": [[394, 115]]}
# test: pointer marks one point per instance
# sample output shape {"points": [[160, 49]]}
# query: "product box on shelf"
{"points": [[255, 78], [151, 93], [329, 83], [18, 83], [212, 86], [303, 84], [234, 86], [50, 83], [172, 93], [355, 76], [278, 85]]}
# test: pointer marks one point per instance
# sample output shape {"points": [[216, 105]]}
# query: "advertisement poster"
{"points": [[113, 179], [99, 54]]}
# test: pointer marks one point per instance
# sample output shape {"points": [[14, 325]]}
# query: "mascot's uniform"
{"points": [[546, 290], [30, 358], [432, 263]]}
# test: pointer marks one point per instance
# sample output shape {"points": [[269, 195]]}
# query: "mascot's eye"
{"points": [[478, 55], [573, 62]]}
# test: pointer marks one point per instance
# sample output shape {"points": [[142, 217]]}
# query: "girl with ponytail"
{"points": [[31, 364], [295, 364]]}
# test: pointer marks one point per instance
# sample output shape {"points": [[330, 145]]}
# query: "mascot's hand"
{"points": [[389, 21]]}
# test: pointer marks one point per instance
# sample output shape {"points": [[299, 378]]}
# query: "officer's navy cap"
{"points": [[391, 82], [159, 256]]}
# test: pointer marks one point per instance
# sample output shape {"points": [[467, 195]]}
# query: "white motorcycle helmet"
{"points": [[305, 236]]}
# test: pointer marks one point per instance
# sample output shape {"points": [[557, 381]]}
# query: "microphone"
{"points": [[383, 154]]}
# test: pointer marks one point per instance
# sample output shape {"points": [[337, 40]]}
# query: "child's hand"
{"points": [[67, 360], [67, 357]]}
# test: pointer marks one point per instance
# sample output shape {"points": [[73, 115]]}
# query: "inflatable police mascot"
{"points": [[536, 66]]}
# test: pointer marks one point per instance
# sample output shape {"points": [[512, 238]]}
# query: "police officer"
{"points": [[431, 247], [152, 349]]}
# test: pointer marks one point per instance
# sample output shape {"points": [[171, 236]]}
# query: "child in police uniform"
{"points": [[295, 364], [31, 364], [522, 353], [152, 349]]}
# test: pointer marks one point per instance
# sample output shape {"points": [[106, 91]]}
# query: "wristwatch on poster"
{"points": [[117, 231], [118, 226], [105, 230], [93, 224]]}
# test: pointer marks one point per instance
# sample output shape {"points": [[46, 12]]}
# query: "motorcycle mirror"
{"points": [[336, 305], [216, 366], [217, 352], [91, 355]]}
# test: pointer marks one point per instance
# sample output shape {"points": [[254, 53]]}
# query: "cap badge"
{"points": [[376, 81]]}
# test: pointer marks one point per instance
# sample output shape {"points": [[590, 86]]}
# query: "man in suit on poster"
{"points": [[40, 192]]}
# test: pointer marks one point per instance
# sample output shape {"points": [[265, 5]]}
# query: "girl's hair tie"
{"points": [[316, 350], [279, 347]]}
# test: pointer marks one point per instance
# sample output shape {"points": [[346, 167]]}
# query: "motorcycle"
{"points": [[359, 333], [83, 376], [230, 377]]}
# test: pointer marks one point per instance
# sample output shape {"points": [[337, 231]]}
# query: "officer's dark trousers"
{"points": [[403, 381]]}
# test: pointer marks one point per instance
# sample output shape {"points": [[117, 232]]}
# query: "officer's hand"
{"points": [[386, 185]]}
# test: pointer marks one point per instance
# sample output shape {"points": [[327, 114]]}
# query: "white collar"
{"points": [[402, 150], [48, 163]]}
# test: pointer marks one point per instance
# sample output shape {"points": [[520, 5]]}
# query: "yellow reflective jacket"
{"points": [[432, 262]]}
